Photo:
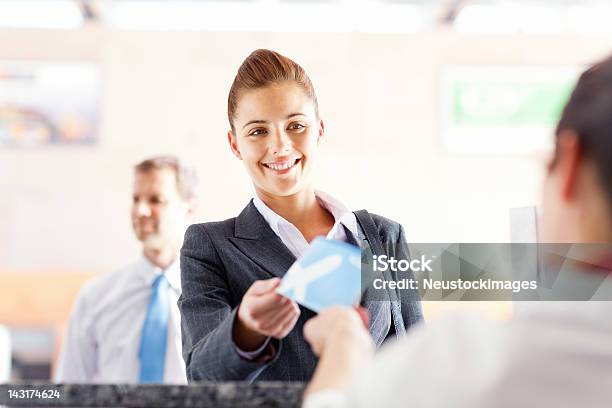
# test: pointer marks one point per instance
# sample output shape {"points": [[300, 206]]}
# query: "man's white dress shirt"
{"points": [[103, 337], [5, 355], [556, 354]]}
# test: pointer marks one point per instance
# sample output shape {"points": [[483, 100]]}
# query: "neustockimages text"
{"points": [[383, 263]]}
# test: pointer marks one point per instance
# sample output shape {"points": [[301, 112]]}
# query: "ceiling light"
{"points": [[40, 14]]}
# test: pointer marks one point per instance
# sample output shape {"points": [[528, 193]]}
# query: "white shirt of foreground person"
{"points": [[557, 355], [104, 334]]}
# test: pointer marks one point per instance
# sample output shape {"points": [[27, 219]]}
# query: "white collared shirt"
{"points": [[293, 238], [295, 241], [556, 354], [103, 338], [5, 355]]}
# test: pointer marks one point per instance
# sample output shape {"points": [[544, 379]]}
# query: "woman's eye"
{"points": [[296, 126], [256, 132]]}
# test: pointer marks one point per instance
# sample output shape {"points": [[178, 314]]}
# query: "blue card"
{"points": [[327, 274]]}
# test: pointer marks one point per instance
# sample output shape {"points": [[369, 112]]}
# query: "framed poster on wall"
{"points": [[48, 103]]}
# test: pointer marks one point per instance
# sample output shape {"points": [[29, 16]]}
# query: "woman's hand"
{"points": [[264, 313]]}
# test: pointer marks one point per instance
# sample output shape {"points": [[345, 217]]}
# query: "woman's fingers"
{"points": [[265, 304], [286, 325], [266, 312], [274, 319], [262, 287], [260, 297]]}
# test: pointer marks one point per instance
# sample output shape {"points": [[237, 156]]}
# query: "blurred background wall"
{"points": [[64, 212], [167, 93]]}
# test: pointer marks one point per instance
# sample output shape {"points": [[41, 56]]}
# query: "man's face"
{"points": [[159, 213]]}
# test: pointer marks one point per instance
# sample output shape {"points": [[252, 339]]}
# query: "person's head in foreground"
{"points": [[163, 201], [577, 199], [554, 361]]}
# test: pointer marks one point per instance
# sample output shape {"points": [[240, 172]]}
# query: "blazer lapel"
{"points": [[255, 239], [377, 306]]}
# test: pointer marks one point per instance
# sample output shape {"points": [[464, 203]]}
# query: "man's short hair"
{"points": [[186, 177]]}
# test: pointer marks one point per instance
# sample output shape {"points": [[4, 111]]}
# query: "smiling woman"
{"points": [[235, 326]]}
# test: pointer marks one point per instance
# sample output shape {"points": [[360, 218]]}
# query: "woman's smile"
{"points": [[282, 166]]}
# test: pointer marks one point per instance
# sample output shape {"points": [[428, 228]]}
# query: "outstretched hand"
{"points": [[338, 324], [264, 313], [339, 337]]}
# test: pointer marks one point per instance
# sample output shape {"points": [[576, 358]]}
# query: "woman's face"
{"points": [[277, 133]]}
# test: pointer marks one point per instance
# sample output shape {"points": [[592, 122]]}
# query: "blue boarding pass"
{"points": [[327, 274]]}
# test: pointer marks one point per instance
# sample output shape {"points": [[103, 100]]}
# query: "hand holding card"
{"points": [[327, 274]]}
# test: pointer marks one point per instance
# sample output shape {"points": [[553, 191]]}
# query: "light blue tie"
{"points": [[153, 339]]}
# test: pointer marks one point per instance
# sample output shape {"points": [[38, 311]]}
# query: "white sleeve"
{"points": [[439, 365], [325, 399], [78, 358]]}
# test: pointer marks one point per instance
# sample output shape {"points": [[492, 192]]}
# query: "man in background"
{"points": [[125, 326]]}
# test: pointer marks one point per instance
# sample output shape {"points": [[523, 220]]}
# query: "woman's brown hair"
{"points": [[263, 68], [589, 114]]}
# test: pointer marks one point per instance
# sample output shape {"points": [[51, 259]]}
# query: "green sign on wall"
{"points": [[502, 109], [508, 103]]}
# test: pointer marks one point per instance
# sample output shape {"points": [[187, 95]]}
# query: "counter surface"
{"points": [[243, 395]]}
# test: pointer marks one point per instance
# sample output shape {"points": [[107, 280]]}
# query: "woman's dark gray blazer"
{"points": [[220, 260]]}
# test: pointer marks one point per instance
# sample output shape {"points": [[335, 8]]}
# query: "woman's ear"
{"points": [[233, 144], [568, 160], [321, 131]]}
